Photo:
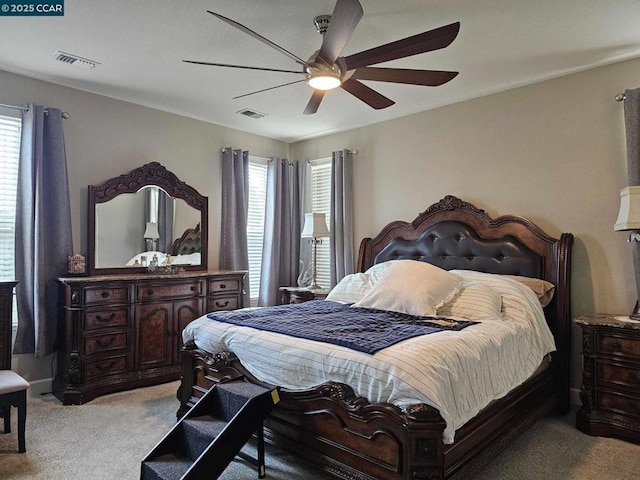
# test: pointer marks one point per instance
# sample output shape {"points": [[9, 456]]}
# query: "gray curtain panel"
{"points": [[166, 210], [632, 128], [299, 195], [43, 228], [277, 260], [341, 221], [305, 267], [234, 253]]}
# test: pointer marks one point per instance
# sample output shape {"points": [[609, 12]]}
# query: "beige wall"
{"points": [[106, 137], [553, 151]]}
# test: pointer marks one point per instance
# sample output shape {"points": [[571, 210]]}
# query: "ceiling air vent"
{"points": [[75, 60], [251, 113]]}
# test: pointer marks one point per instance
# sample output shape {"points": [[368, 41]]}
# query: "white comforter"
{"points": [[458, 373]]}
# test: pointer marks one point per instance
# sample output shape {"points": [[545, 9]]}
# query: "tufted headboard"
{"points": [[454, 234], [190, 242]]}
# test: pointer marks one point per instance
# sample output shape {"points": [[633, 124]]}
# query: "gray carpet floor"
{"points": [[106, 439]]}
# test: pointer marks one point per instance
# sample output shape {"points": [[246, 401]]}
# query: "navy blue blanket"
{"points": [[363, 329]]}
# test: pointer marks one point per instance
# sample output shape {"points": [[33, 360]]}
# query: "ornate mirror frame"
{"points": [[150, 174]]}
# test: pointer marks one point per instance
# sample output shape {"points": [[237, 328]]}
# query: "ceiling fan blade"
{"points": [[242, 66], [255, 35], [421, 43], [314, 102], [366, 94], [429, 78], [344, 19], [267, 89]]}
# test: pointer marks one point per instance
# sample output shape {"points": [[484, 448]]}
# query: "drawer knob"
{"points": [[149, 292], [615, 346], [222, 305], [634, 376], [104, 294], [100, 318], [223, 286], [193, 288]]}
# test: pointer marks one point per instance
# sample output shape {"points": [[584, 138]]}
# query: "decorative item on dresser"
{"points": [[6, 309], [118, 332], [301, 294], [610, 390]]}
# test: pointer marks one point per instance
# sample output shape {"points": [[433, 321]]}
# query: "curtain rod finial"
{"points": [[620, 97]]}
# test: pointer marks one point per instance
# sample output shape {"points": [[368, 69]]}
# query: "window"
{"points": [[321, 203], [320, 184], [255, 222], [9, 154]]}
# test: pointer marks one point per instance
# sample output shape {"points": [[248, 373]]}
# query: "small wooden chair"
{"points": [[13, 392]]}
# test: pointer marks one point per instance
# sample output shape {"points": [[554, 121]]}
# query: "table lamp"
{"points": [[151, 235], [629, 219], [315, 228]]}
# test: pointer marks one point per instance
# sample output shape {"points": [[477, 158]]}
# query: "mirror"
{"points": [[145, 215]]}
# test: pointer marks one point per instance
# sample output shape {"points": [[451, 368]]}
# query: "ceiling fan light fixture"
{"points": [[323, 81]]}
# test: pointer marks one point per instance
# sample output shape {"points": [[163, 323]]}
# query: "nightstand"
{"points": [[301, 295], [610, 390]]}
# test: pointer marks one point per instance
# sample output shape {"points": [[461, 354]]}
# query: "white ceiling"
{"points": [[140, 45]]}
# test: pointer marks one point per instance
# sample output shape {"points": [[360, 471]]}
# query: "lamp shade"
{"points": [[315, 226], [629, 215], [151, 231]]}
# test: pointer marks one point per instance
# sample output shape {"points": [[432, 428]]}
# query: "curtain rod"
{"points": [[65, 115], [354, 151]]}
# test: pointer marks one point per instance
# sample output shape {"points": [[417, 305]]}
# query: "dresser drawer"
{"points": [[106, 318], [618, 402], [223, 285], [107, 366], [98, 295], [222, 303], [104, 343], [155, 292], [612, 344], [619, 375]]}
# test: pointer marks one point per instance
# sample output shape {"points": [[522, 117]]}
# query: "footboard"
{"points": [[351, 438], [332, 427]]}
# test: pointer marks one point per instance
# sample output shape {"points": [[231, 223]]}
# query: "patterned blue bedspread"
{"points": [[362, 329]]}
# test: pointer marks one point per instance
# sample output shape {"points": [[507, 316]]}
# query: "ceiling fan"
{"points": [[326, 69]]}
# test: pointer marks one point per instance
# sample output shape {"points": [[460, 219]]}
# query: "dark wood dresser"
{"points": [[610, 390], [118, 332], [6, 310]]}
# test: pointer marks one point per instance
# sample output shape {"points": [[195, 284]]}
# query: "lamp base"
{"points": [[314, 286]]}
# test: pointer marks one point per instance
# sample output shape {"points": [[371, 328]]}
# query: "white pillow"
{"points": [[411, 287], [351, 288], [474, 302]]}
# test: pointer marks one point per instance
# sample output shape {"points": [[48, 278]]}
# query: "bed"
{"points": [[352, 437]]}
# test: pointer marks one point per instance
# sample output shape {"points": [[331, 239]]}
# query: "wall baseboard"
{"points": [[574, 395], [39, 387]]}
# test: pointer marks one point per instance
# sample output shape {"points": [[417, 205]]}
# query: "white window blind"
{"points": [[9, 154], [321, 203], [255, 222]]}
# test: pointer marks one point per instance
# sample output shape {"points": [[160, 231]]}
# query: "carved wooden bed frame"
{"points": [[351, 438]]}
